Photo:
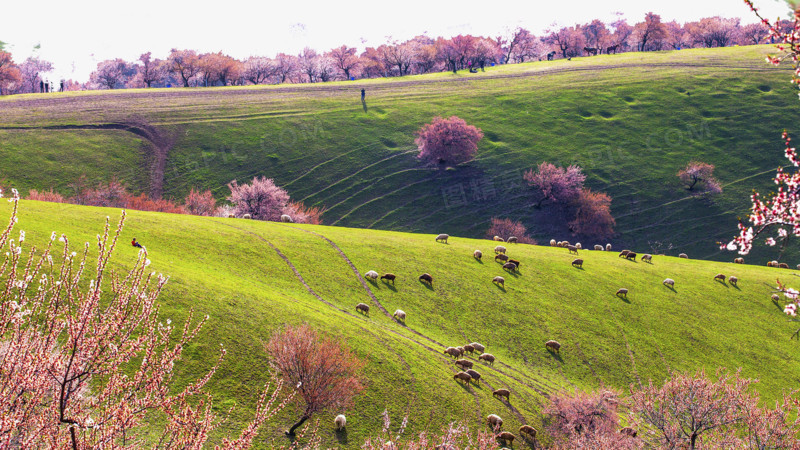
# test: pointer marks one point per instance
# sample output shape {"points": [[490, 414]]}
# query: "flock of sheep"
{"points": [[467, 374]]}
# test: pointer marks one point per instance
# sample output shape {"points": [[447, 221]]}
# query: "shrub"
{"points": [[570, 416], [506, 228], [698, 177], [593, 218], [111, 194], [45, 196], [200, 204], [142, 202], [556, 184], [262, 199], [304, 214], [448, 141]]}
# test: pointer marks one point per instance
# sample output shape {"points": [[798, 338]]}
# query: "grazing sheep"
{"points": [[372, 275], [501, 257], [499, 280], [783, 266], [478, 347], [529, 430], [494, 421], [798, 267], [477, 254], [669, 282], [400, 314], [628, 431], [507, 437], [247, 216], [631, 256], [499, 249], [565, 244], [442, 238], [469, 349], [578, 246], [288, 219], [461, 351], [624, 253], [608, 247], [502, 393], [340, 421], [512, 240], [488, 357], [498, 239], [738, 261], [515, 262], [464, 364], [426, 278], [776, 297], [510, 266], [476, 377], [362, 308], [622, 292], [553, 242], [598, 247], [231, 216], [572, 249], [553, 346], [683, 255], [647, 257], [719, 276], [577, 263], [462, 376], [452, 351], [772, 264], [733, 280], [389, 277]]}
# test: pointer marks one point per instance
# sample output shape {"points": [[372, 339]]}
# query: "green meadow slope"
{"points": [[253, 277], [631, 121]]}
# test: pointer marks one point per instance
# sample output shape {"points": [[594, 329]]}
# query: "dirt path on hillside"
{"points": [[156, 150]]}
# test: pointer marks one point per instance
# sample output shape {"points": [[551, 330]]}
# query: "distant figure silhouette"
{"points": [[41, 87], [136, 244], [363, 94], [363, 99], [62, 86]]}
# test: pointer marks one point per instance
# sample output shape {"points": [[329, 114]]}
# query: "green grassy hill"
{"points": [[631, 121], [252, 277]]}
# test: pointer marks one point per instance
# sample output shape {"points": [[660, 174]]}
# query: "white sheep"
{"points": [[578, 246], [622, 292], [372, 275], [443, 238], [400, 314], [499, 280], [669, 282], [500, 249], [647, 257], [340, 421], [553, 242], [512, 240], [477, 254], [246, 216], [478, 347], [494, 421], [733, 280], [683, 255], [608, 247], [288, 219], [598, 247]]}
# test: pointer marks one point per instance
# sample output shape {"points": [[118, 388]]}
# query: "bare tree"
{"points": [[326, 373]]}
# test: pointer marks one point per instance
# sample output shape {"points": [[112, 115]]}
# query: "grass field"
{"points": [[242, 273], [631, 121]]}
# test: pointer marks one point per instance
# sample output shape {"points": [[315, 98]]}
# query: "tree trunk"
{"points": [[297, 425], [693, 441]]}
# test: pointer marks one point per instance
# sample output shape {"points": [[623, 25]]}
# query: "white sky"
{"points": [[75, 36]]}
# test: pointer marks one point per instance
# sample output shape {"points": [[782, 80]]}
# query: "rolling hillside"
{"points": [[251, 277], [631, 121]]}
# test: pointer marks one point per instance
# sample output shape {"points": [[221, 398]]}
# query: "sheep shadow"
{"points": [[736, 286], [578, 267], [500, 286], [480, 261], [514, 273], [390, 286], [722, 283], [623, 298], [671, 288], [341, 436], [556, 356], [427, 285]]}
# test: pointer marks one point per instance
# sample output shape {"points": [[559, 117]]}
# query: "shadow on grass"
{"points": [[500, 286], [671, 288], [341, 436], [514, 273], [578, 267], [624, 298], [736, 286], [427, 285], [556, 356], [390, 286], [479, 260], [722, 282]]}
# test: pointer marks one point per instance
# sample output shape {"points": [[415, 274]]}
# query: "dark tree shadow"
{"points": [[341, 436]]}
